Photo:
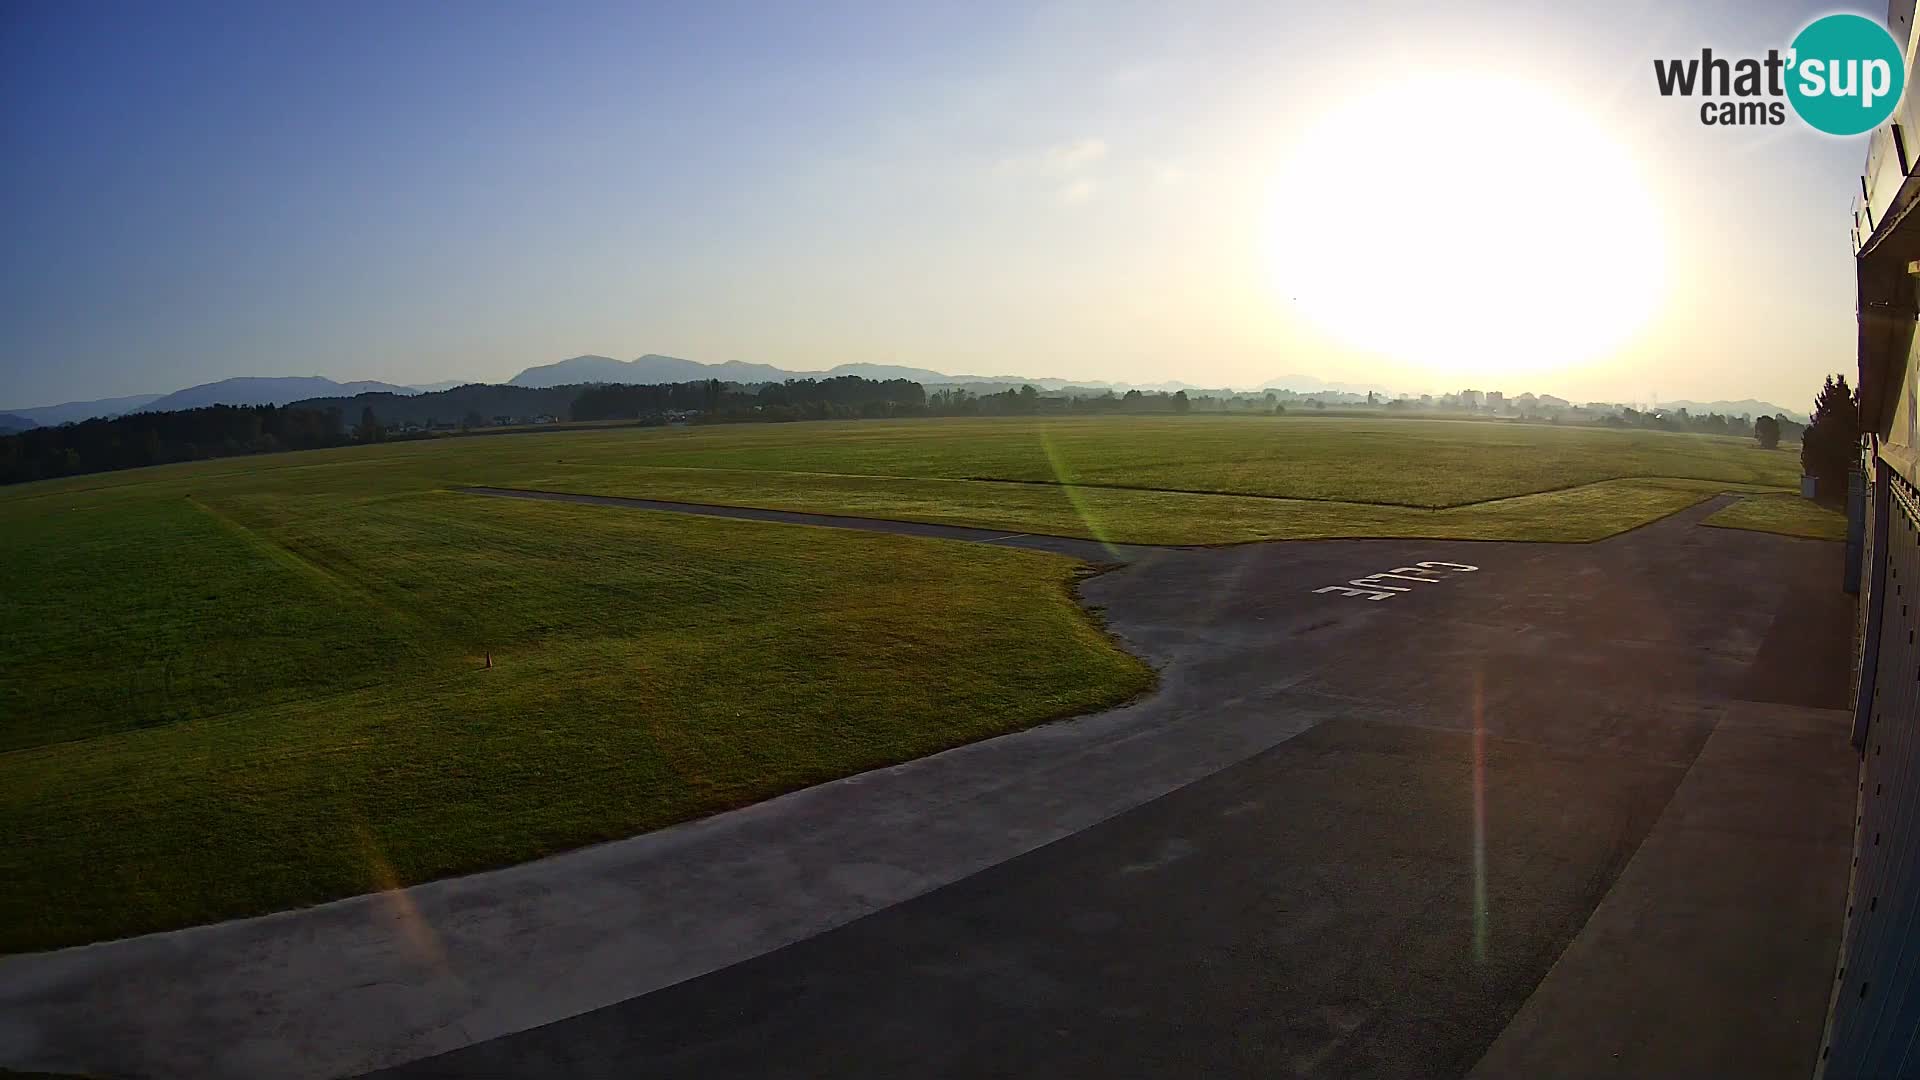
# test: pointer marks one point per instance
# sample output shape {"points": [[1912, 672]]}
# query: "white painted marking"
{"points": [[1374, 587], [1347, 590]]}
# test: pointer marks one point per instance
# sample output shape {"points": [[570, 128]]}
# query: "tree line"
{"points": [[1026, 401], [843, 397], [1708, 424], [471, 406], [158, 438], [851, 397]]}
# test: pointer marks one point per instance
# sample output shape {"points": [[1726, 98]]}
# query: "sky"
{"points": [[1415, 195]]}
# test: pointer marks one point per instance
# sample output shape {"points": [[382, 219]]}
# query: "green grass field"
{"points": [[1173, 480], [1788, 515], [247, 684], [248, 700]]}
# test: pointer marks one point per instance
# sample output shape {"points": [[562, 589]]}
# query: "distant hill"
{"points": [[651, 368], [10, 423], [1744, 407], [654, 368], [73, 411], [1308, 384], [578, 369], [486, 400], [882, 372], [929, 376], [265, 391], [240, 391]]}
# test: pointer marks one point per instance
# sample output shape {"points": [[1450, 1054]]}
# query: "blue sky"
{"points": [[422, 192]]}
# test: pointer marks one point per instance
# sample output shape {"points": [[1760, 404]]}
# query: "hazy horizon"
{"points": [[1333, 385], [1122, 193]]}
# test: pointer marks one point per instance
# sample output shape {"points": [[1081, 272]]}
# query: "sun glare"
{"points": [[1473, 226]]}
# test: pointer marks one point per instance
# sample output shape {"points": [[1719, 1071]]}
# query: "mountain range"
{"points": [[655, 368], [259, 391], [239, 391], [1743, 407], [71, 411]]}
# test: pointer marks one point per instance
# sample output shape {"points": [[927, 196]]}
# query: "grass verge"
{"points": [[1788, 515], [648, 668], [1576, 515]]}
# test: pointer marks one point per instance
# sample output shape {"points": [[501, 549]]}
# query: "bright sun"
{"points": [[1470, 225]]}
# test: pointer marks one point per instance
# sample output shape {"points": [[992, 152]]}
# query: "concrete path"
{"points": [[1713, 954], [1312, 883]]}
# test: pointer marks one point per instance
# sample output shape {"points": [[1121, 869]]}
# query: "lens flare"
{"points": [[418, 933], [1064, 474], [1479, 821]]}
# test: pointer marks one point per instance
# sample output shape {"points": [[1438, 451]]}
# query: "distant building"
{"points": [[1496, 401], [1472, 399]]}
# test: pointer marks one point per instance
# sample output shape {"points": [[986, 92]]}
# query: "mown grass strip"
{"points": [[1787, 515], [647, 668]]}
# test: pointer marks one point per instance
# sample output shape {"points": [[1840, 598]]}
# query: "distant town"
{"points": [[1715, 418]]}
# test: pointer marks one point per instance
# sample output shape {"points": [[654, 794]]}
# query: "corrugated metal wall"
{"points": [[1874, 1024]]}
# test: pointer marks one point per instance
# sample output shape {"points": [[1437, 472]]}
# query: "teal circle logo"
{"points": [[1846, 74]]}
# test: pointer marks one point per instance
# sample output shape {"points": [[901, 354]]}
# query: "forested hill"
{"points": [[157, 438], [472, 405], [482, 404]]}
